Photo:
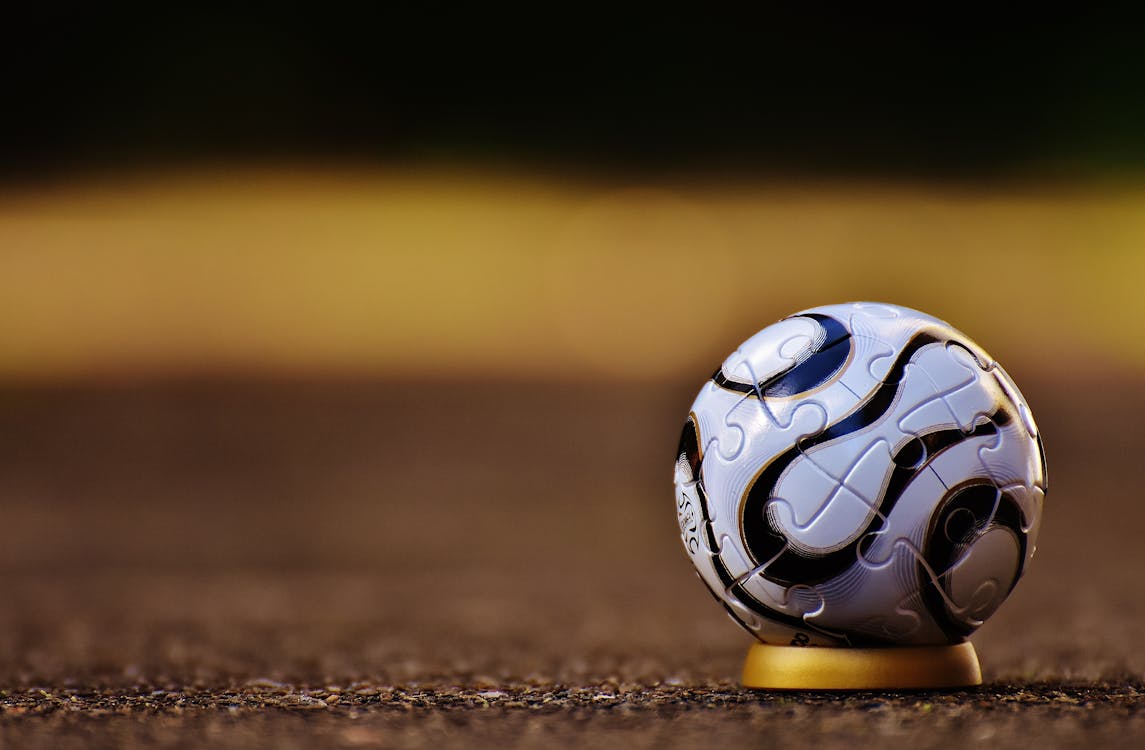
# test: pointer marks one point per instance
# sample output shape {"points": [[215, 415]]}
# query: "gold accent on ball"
{"points": [[888, 668]]}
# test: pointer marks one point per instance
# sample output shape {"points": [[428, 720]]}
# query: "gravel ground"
{"points": [[367, 715], [466, 564]]}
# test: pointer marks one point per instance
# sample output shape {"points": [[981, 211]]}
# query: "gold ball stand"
{"points": [[773, 667]]}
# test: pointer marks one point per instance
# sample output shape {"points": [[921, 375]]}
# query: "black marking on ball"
{"points": [[1045, 469], [912, 454], [965, 513], [818, 368], [761, 539], [792, 566], [761, 536], [689, 448]]}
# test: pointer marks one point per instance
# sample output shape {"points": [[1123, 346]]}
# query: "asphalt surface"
{"points": [[358, 564]]}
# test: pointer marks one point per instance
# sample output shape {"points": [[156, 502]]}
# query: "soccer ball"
{"points": [[860, 474]]}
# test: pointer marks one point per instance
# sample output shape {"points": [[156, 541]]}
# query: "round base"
{"points": [[889, 668]]}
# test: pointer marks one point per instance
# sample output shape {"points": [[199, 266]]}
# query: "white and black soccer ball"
{"points": [[860, 474]]}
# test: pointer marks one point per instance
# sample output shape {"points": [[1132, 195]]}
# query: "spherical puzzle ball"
{"points": [[860, 474]]}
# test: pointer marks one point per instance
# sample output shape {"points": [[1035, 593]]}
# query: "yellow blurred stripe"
{"points": [[484, 275]]}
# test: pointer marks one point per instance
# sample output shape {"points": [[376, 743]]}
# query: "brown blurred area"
{"points": [[339, 370]]}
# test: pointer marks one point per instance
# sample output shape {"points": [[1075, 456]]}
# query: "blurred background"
{"points": [[329, 339]]}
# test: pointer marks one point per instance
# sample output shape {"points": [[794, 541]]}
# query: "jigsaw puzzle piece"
{"points": [[772, 351], [763, 364], [791, 606], [998, 445], [1019, 473], [750, 421], [876, 310], [741, 614], [975, 586], [735, 563], [1011, 458], [770, 432], [962, 459], [688, 516], [903, 626], [709, 413], [905, 524], [798, 418], [794, 601], [878, 356], [811, 491], [980, 545], [836, 504], [971, 354], [1020, 456], [950, 367], [864, 473], [732, 437], [920, 403], [987, 391], [976, 400], [891, 441], [957, 397], [912, 622], [880, 614], [839, 521], [723, 564], [703, 560], [892, 327], [866, 318], [1030, 500], [726, 479], [864, 323]]}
